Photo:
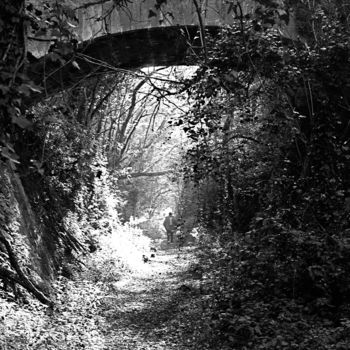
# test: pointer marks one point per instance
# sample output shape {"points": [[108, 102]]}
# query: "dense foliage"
{"points": [[270, 164]]}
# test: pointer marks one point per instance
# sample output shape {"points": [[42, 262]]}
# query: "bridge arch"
{"points": [[130, 50], [139, 35]]}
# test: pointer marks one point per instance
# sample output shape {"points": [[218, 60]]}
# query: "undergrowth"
{"points": [[85, 280], [258, 300]]}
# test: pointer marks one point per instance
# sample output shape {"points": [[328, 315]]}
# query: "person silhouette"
{"points": [[170, 224]]}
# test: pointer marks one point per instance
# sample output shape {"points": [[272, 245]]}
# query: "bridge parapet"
{"points": [[132, 37], [144, 14], [106, 18]]}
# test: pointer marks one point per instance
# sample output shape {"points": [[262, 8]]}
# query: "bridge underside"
{"points": [[161, 46]]}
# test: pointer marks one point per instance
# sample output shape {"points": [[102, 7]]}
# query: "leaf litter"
{"points": [[151, 309]]}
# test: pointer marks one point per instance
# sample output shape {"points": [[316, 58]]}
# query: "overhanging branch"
{"points": [[118, 3], [147, 174]]}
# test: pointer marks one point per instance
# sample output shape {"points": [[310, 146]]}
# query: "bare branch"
{"points": [[138, 74], [238, 136], [150, 174], [117, 3]]}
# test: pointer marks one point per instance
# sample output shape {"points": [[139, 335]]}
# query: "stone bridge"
{"points": [[137, 35]]}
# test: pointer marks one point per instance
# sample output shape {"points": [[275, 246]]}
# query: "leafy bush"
{"points": [[270, 163]]}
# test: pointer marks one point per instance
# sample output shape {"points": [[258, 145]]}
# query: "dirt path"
{"points": [[154, 308]]}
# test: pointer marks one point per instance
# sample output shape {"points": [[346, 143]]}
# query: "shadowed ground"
{"points": [[155, 307]]}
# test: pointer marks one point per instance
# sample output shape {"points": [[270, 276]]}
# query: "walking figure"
{"points": [[170, 225]]}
